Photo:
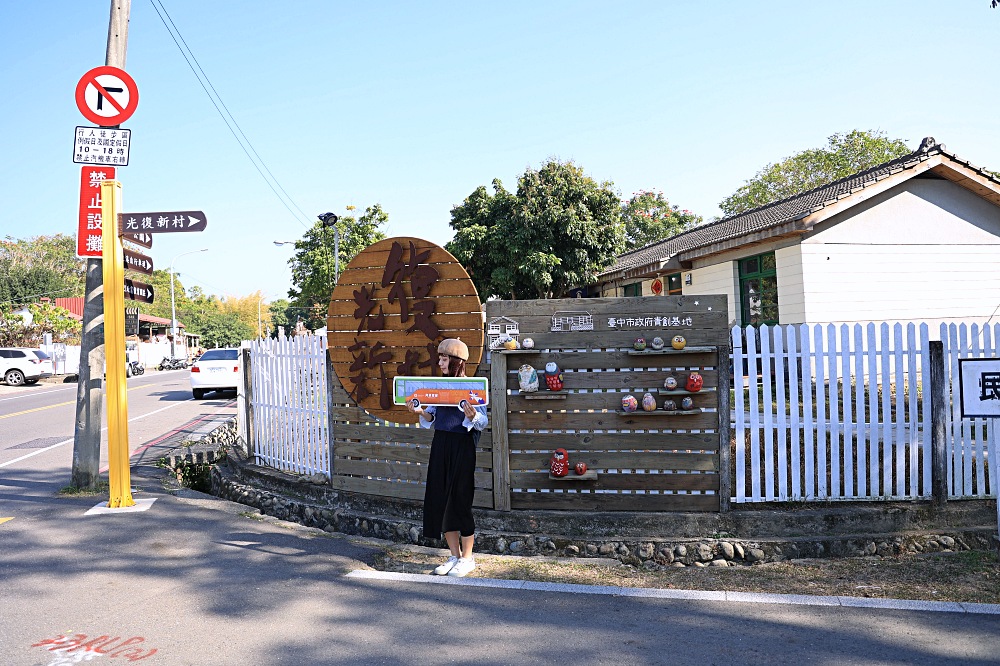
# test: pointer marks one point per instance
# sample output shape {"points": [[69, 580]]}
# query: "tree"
{"points": [[649, 217], [844, 155], [46, 318], [41, 266], [313, 265], [557, 231], [226, 330], [281, 314]]}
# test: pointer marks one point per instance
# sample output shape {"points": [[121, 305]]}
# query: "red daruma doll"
{"points": [[559, 464], [694, 382]]}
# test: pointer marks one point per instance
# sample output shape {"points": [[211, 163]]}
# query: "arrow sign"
{"points": [[138, 291], [162, 222], [137, 262], [144, 240]]}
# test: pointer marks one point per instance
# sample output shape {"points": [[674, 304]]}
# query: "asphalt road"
{"points": [[198, 581]]}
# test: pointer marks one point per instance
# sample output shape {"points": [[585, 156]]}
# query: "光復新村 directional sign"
{"points": [[161, 223], [144, 240], [137, 262], [138, 291], [107, 96]]}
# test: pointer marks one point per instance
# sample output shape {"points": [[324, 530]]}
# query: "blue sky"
{"points": [[414, 105]]}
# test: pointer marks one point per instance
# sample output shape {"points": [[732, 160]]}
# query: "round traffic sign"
{"points": [[107, 96]]}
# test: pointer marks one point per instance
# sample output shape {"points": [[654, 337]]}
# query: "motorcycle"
{"points": [[173, 364], [136, 368]]}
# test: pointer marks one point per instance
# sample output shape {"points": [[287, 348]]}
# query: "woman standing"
{"points": [[452, 466]]}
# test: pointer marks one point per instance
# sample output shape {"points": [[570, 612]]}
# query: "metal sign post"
{"points": [[114, 348]]}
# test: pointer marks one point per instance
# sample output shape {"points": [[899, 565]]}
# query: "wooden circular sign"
{"points": [[392, 305]]}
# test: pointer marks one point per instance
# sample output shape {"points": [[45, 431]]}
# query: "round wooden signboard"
{"points": [[392, 305]]}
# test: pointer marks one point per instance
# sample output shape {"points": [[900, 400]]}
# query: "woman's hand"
{"points": [[470, 411]]}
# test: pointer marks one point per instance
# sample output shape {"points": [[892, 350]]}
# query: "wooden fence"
{"points": [[839, 413]]}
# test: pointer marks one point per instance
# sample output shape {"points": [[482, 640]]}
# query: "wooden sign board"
{"points": [[392, 306]]}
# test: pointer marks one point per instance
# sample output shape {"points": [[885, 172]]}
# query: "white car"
{"points": [[216, 370], [21, 365]]}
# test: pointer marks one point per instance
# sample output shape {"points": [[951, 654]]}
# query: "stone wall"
{"points": [[650, 541]]}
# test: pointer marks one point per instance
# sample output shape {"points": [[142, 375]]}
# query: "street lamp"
{"points": [[330, 220], [173, 310]]}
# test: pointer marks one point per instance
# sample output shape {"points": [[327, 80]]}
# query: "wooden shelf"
{"points": [[707, 389], [660, 352], [659, 412], [514, 351], [589, 475], [545, 395]]}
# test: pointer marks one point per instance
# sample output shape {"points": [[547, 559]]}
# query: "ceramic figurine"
{"points": [[694, 382], [553, 376], [648, 403], [670, 405], [580, 468], [687, 402], [527, 343], [656, 343], [559, 464], [510, 344], [639, 344], [678, 342], [670, 383], [527, 379], [629, 403]]}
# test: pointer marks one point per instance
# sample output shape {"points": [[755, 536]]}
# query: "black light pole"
{"points": [[330, 220]]}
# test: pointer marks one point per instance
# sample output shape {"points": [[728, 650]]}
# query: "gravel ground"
{"points": [[967, 576]]}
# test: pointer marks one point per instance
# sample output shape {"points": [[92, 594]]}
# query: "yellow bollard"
{"points": [[114, 347]]}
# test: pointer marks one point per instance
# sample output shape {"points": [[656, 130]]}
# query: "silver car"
{"points": [[23, 365]]}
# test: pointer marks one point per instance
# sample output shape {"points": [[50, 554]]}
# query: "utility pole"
{"points": [[90, 385]]}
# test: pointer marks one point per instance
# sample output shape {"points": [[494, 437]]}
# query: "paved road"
{"points": [[199, 581]]}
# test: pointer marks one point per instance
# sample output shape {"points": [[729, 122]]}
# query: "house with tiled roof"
{"points": [[914, 239]]}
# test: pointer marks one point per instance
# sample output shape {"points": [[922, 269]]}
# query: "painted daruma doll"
{"points": [[694, 382], [559, 464]]}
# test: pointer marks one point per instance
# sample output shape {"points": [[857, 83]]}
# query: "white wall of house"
{"points": [[927, 250], [715, 278]]}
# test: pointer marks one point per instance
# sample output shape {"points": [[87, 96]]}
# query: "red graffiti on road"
{"points": [[76, 648]]}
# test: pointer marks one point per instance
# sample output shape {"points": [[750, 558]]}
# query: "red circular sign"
{"points": [[107, 96], [657, 286]]}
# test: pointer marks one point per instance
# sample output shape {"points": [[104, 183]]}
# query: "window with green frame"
{"points": [[634, 289], [674, 285], [758, 290]]}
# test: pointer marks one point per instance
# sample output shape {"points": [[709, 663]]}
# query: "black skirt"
{"points": [[450, 485]]}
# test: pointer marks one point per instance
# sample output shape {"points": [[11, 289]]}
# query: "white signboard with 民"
{"points": [[979, 381]]}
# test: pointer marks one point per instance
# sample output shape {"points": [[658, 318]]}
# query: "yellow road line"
{"points": [[4, 520], [38, 409]]}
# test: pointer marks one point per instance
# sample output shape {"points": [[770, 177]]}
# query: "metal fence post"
{"points": [[939, 407]]}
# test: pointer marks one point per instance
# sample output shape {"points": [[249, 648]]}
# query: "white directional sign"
{"points": [[101, 145]]}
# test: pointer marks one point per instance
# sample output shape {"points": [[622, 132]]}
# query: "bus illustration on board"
{"points": [[440, 391]]}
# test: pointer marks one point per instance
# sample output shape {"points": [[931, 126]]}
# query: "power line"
{"points": [[227, 117]]}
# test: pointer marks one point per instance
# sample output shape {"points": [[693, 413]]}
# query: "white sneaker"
{"points": [[446, 567], [463, 567]]}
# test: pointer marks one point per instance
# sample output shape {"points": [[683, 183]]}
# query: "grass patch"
{"points": [[102, 488]]}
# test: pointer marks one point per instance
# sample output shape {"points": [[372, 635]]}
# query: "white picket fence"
{"points": [[838, 413], [288, 404]]}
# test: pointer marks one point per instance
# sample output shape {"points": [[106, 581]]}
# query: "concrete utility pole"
{"points": [[90, 386]]}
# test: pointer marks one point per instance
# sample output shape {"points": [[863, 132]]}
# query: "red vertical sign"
{"points": [[88, 233]]}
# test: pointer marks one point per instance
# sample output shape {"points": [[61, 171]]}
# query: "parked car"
{"points": [[21, 365], [216, 370]]}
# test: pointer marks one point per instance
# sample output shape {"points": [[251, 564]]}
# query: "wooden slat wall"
{"points": [[390, 460], [645, 461]]}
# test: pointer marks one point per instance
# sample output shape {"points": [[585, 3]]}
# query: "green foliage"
{"points": [[42, 266], [282, 314], [844, 155], [649, 217], [313, 266], [557, 231], [46, 318], [224, 329]]}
